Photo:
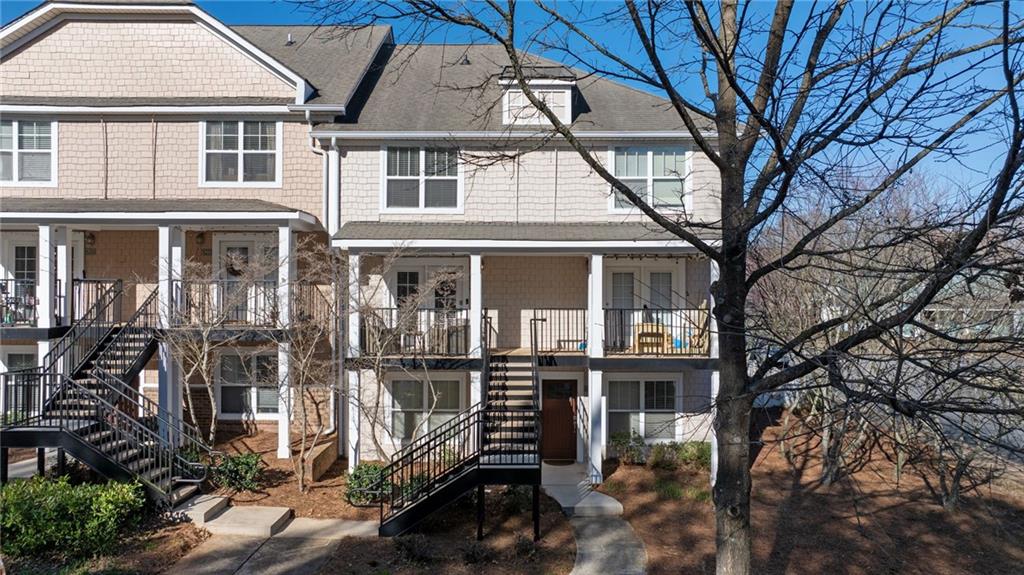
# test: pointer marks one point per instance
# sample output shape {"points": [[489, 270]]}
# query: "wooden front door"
{"points": [[558, 439]]}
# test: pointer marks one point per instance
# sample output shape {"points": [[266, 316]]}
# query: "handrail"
{"points": [[145, 319], [535, 359], [485, 354], [109, 297]]}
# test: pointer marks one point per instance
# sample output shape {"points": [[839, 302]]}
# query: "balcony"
{"points": [[225, 303], [398, 331], [18, 303], [656, 332]]}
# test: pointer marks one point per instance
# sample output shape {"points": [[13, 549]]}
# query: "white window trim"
{"points": [[459, 193], [539, 119], [643, 378], [254, 415], [391, 377], [54, 145], [9, 349], [687, 182], [278, 157]]}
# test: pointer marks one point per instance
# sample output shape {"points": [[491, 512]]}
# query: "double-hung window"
{"points": [[27, 152], [421, 179], [419, 406], [660, 176], [241, 153], [645, 407], [248, 385]]}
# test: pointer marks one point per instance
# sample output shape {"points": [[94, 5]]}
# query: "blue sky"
{"points": [[970, 167]]}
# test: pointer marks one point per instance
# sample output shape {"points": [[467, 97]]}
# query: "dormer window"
{"points": [[519, 109]]}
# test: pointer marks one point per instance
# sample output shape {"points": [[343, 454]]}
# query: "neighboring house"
{"points": [[135, 137]]}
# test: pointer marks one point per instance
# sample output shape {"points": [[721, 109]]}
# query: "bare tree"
{"points": [[777, 99]]}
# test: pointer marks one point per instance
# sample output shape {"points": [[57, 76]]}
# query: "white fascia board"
{"points": [[485, 135], [299, 219], [537, 82], [43, 109], [581, 246]]}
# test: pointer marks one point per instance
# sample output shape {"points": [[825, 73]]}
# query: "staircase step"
{"points": [[250, 520], [183, 493], [202, 508]]}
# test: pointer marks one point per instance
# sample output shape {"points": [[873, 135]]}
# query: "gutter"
{"points": [[403, 135]]}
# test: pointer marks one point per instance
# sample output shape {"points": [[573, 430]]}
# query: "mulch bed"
{"points": [[152, 549], [861, 525], [323, 499], [446, 543]]}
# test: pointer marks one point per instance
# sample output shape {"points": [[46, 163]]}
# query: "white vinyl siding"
{"points": [[28, 155], [425, 180], [660, 176], [241, 153]]}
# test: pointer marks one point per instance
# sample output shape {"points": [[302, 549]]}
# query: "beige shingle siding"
{"points": [[542, 186], [136, 59], [129, 168]]}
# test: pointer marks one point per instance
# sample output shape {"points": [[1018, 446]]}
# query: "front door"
{"points": [[558, 439]]}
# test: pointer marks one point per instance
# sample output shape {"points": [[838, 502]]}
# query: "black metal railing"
{"points": [[562, 330], [225, 303], [18, 303], [651, 331], [313, 303], [24, 394], [85, 293], [121, 354], [414, 331], [75, 347]]}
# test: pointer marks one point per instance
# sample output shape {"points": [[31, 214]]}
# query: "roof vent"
{"points": [[465, 60], [289, 42]]}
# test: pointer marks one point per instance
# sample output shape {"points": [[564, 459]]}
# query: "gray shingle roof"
{"points": [[332, 59], [429, 88], [64, 205], [620, 231]]}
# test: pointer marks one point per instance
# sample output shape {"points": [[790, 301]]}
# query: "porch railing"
{"points": [[86, 292], [411, 331], [18, 303], [225, 303], [561, 330], [649, 331]]}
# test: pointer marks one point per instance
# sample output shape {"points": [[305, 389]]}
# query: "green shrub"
{"points": [[363, 483], [670, 456], [242, 472], [40, 516], [667, 489], [477, 552], [525, 547], [630, 448], [416, 548], [412, 487]]}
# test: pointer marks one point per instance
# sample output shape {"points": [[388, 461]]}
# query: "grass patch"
{"points": [[697, 494], [667, 489], [614, 487]]}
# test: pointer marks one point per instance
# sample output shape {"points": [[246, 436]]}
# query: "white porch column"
{"points": [[352, 394], [595, 307], [476, 304], [64, 275], [333, 189], [285, 277], [170, 259], [713, 354], [44, 284], [596, 433], [476, 387]]}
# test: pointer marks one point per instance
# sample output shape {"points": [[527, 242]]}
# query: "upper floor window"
{"points": [[421, 179], [519, 109], [241, 153], [658, 175], [27, 154]]}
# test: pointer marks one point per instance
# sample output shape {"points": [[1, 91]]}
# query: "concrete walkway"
{"points": [[605, 543], [300, 547]]}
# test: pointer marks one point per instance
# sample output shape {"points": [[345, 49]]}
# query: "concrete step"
{"points": [[202, 508], [250, 520], [183, 492]]}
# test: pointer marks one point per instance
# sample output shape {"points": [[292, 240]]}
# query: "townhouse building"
{"points": [[498, 293]]}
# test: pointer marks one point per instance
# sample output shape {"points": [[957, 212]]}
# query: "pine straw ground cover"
{"points": [[862, 525], [322, 499], [446, 543]]}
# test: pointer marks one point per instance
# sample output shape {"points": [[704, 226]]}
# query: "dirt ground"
{"points": [[862, 525], [156, 546], [323, 499], [447, 543]]}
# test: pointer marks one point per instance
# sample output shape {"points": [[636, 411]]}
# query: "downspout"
{"points": [[152, 129], [106, 159]]}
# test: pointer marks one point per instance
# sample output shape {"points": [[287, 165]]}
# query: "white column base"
{"points": [[352, 400], [476, 387], [597, 425]]}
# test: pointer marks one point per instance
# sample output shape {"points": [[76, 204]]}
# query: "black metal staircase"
{"points": [[80, 402], [495, 442]]}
